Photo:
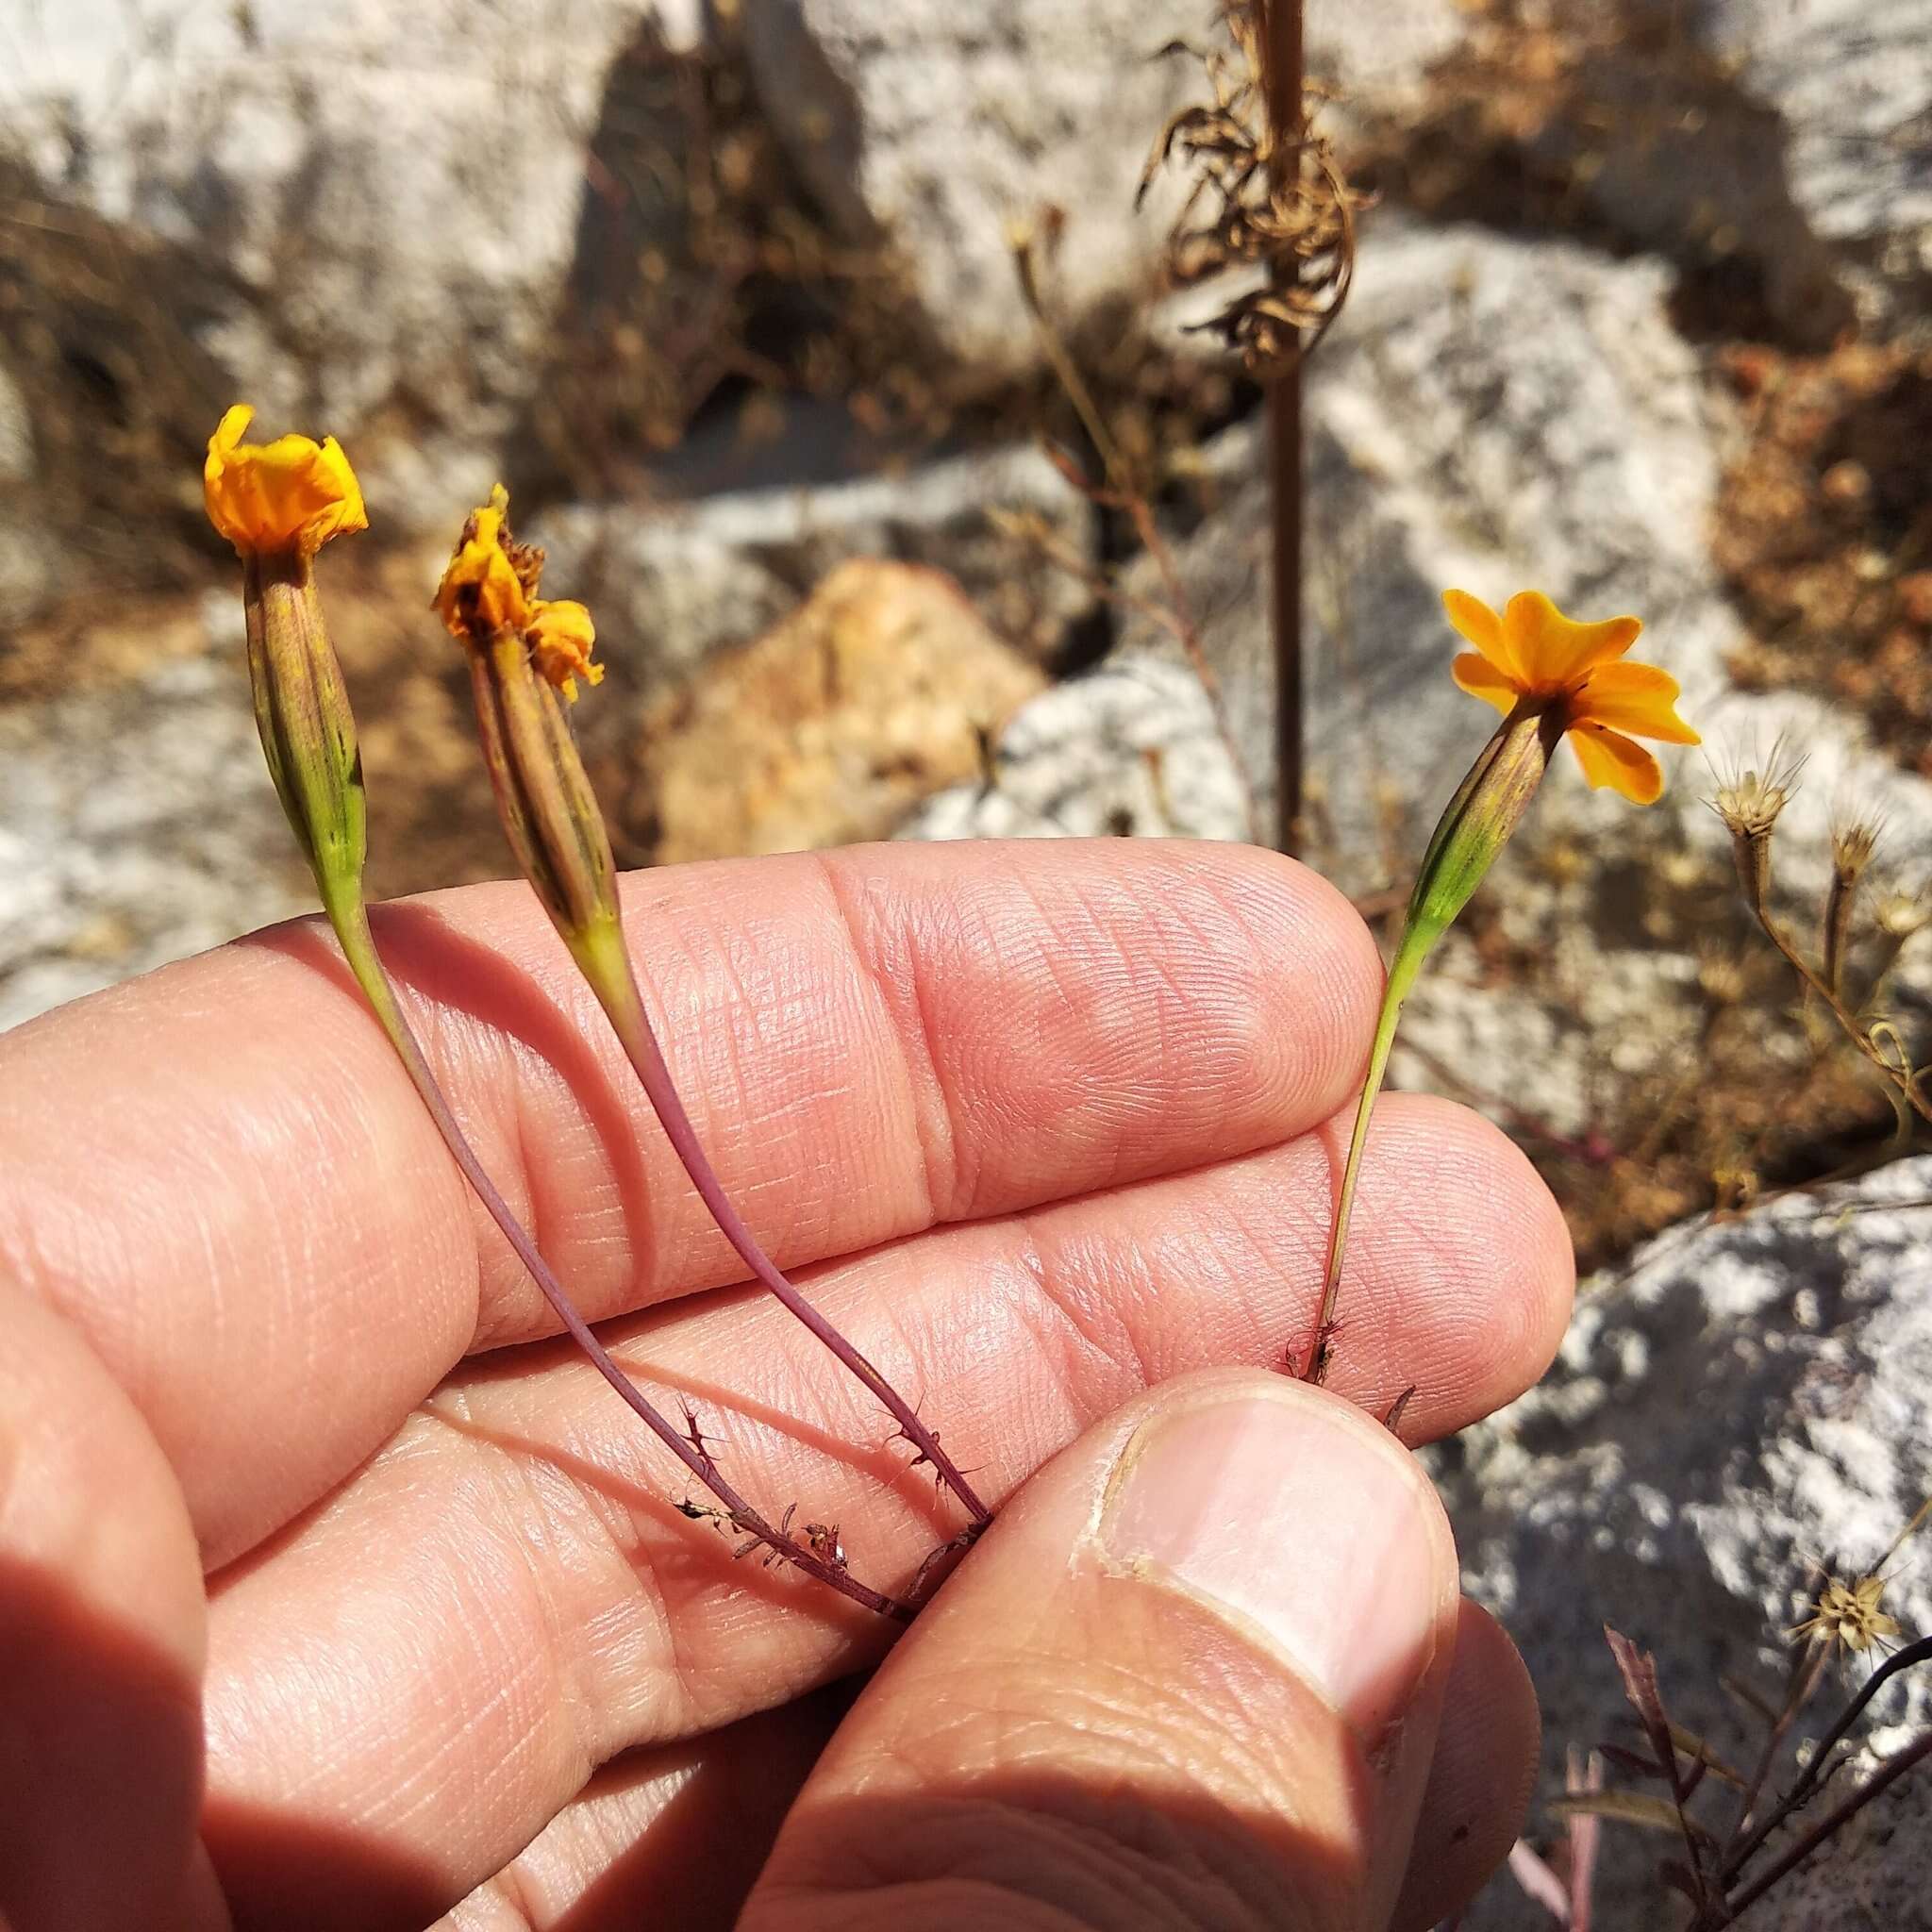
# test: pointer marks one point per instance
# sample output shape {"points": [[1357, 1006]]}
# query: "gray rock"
{"points": [[1743, 1400], [672, 581], [137, 825], [1130, 750], [388, 197], [931, 127], [1851, 82], [1379, 49]]}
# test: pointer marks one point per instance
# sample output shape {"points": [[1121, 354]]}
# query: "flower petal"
{"points": [[481, 593], [1481, 680], [1477, 622], [560, 637], [1637, 698], [1608, 758], [292, 494], [1554, 650]]}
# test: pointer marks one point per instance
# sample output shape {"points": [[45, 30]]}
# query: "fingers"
{"points": [[1480, 1780], [672, 1836], [510, 1596], [1191, 1679], [676, 1835], [264, 1241], [102, 1629]]}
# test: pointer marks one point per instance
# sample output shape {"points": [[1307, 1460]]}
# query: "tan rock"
{"points": [[877, 691]]}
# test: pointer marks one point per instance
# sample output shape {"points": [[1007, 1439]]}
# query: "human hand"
{"points": [[329, 1581]]}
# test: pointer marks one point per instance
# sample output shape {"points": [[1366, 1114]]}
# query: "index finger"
{"points": [[222, 1177]]}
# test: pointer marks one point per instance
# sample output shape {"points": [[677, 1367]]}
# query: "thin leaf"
{"points": [[1688, 1741], [1638, 1669], [1752, 1700], [1632, 1762], [1630, 1808]]}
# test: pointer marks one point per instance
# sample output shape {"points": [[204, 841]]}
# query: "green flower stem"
{"points": [[1488, 806], [309, 738], [1402, 977]]}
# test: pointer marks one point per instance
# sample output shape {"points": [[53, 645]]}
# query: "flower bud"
{"points": [[278, 504], [525, 656]]}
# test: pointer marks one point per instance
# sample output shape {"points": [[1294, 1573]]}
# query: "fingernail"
{"points": [[1301, 1525]]}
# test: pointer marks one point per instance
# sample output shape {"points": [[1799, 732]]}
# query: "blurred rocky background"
{"points": [[725, 291]]}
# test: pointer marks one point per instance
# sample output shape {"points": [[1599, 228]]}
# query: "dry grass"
{"points": [[1824, 532]]}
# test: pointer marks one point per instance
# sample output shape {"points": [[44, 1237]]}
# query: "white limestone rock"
{"points": [[1740, 1401]]}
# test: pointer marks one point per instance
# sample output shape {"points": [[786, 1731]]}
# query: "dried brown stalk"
{"points": [[1267, 195]]}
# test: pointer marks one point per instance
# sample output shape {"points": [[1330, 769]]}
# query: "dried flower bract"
{"points": [[1258, 199]]}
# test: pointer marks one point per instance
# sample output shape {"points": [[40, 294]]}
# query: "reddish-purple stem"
{"points": [[616, 982], [352, 929]]}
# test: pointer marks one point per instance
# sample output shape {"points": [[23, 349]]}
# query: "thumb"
{"points": [[1191, 1678]]}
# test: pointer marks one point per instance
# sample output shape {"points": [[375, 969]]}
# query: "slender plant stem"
{"points": [[1900, 1660], [349, 916], [1283, 67], [1888, 1774], [1402, 977], [606, 963], [1904, 1078]]}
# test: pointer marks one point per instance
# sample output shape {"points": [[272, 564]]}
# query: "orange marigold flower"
{"points": [[291, 494], [1534, 656], [482, 591], [490, 587]]}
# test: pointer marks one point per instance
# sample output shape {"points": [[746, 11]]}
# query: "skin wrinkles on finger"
{"points": [[742, 1636], [273, 1328]]}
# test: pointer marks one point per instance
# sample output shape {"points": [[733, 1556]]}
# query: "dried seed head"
{"points": [[1749, 799], [1853, 842], [1850, 1616]]}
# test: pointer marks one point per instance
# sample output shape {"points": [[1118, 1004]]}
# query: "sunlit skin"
{"points": [[1532, 652], [335, 1518]]}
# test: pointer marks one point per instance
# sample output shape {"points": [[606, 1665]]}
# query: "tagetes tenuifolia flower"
{"points": [[490, 589], [292, 494], [1534, 656], [1551, 678]]}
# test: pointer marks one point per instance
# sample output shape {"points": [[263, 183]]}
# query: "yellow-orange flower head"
{"points": [[560, 637], [291, 494], [490, 587], [1532, 654]]}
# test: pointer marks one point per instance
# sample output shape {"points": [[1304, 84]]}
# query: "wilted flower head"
{"points": [[1850, 1616], [1533, 655], [291, 494], [490, 589], [482, 591]]}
